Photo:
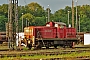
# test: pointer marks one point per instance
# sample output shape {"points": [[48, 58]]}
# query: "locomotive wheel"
{"points": [[29, 46], [70, 46], [47, 47], [39, 45], [63, 46], [1, 42], [55, 46]]}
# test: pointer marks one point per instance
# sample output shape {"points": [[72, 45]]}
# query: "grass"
{"points": [[49, 56]]}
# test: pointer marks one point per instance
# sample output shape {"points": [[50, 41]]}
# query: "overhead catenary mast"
{"points": [[12, 26], [72, 13], [76, 18], [16, 19], [48, 14]]}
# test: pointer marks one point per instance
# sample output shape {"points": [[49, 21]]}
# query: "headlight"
{"points": [[28, 42]]}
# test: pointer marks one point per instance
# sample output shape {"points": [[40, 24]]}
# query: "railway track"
{"points": [[75, 58], [65, 58], [46, 52], [49, 52]]}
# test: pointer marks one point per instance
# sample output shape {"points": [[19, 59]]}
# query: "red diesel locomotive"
{"points": [[53, 34]]}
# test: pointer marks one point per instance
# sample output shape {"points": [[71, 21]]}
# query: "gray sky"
{"points": [[54, 4]]}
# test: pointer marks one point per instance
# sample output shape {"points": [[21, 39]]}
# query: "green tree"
{"points": [[40, 21], [36, 9], [29, 17], [3, 20], [60, 16], [4, 10]]}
